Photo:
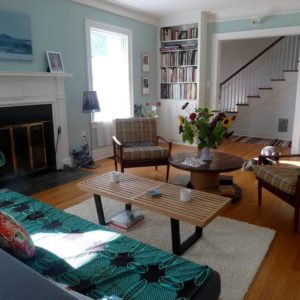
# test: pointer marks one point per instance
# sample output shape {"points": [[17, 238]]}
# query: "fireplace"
{"points": [[26, 140], [33, 123]]}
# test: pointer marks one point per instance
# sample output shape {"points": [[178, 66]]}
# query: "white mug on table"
{"points": [[185, 194]]}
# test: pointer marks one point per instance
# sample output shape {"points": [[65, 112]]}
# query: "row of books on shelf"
{"points": [[173, 47], [179, 74], [179, 91], [179, 58], [179, 34]]}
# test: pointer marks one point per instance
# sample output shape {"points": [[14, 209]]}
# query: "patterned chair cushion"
{"points": [[136, 130], [145, 152], [281, 176]]}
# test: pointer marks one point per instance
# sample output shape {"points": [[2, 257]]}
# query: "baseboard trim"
{"points": [[103, 153]]}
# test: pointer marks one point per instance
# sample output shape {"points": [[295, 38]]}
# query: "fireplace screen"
{"points": [[24, 147]]}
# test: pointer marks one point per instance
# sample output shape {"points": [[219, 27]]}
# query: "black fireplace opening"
{"points": [[26, 140]]}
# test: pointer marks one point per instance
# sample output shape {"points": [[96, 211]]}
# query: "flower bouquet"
{"points": [[203, 127], [152, 109]]}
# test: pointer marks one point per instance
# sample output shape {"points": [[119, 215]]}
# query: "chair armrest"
{"points": [[276, 157], [117, 147], [116, 141], [164, 140]]}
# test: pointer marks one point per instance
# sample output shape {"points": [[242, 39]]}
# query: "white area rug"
{"points": [[234, 249]]}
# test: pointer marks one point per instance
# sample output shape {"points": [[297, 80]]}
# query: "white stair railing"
{"points": [[268, 65]]}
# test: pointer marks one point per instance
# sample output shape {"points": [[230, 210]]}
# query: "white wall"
{"points": [[236, 53]]}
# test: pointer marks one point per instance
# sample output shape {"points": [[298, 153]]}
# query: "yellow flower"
{"points": [[227, 122], [181, 119]]}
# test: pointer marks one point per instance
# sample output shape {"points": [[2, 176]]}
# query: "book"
{"points": [[126, 220]]}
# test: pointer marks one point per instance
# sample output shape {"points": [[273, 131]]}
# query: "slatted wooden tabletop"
{"points": [[202, 208]]}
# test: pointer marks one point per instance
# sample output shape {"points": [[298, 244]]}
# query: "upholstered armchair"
{"points": [[283, 180], [136, 144]]}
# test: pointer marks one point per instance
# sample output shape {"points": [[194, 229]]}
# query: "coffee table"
{"points": [[132, 190], [206, 177]]}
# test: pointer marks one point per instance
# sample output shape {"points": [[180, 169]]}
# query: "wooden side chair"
{"points": [[283, 180], [135, 144]]}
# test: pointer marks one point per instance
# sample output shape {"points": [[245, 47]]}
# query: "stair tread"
{"points": [[278, 79], [242, 104], [290, 71], [265, 88], [254, 96]]}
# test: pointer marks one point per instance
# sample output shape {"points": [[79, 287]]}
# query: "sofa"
{"points": [[18, 281], [93, 260]]}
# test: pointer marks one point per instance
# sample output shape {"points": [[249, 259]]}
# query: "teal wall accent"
{"points": [[59, 25], [285, 20]]}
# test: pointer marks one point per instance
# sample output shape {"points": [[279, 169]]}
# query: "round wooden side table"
{"points": [[206, 176]]}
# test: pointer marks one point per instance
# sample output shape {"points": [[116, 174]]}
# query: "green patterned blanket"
{"points": [[96, 261]]}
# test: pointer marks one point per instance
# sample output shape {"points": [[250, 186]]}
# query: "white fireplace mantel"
{"points": [[20, 89]]}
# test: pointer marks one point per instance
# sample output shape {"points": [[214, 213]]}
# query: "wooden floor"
{"points": [[279, 274]]}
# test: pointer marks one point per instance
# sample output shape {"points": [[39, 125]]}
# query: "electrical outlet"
{"points": [[83, 134]]}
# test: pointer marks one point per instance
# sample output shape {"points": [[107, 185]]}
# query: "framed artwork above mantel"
{"points": [[15, 36]]}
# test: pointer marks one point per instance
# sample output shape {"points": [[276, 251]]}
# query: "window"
{"points": [[109, 64]]}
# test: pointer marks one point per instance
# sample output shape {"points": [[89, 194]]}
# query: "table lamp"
{"points": [[90, 105]]}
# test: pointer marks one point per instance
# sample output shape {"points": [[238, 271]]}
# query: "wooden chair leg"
{"points": [[116, 165], [168, 170], [296, 219], [259, 188], [156, 168]]}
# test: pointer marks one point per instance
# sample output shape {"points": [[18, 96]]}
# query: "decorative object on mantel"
{"points": [[55, 62], [205, 128], [15, 36], [90, 105]]}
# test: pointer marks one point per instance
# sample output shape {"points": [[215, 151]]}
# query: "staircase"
{"points": [[262, 93]]}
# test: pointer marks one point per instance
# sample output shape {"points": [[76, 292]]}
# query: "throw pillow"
{"points": [[14, 238]]}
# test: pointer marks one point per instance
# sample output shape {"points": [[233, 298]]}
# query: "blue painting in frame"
{"points": [[15, 36]]}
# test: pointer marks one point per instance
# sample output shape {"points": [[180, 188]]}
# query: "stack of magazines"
{"points": [[126, 220]]}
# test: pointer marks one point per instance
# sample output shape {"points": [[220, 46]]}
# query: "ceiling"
{"points": [[160, 8]]}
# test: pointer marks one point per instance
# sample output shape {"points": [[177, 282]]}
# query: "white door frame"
{"points": [[217, 38]]}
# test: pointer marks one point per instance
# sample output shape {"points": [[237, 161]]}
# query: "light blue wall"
{"points": [[285, 20], [60, 25]]}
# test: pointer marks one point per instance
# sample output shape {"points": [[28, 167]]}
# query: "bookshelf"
{"points": [[179, 62]]}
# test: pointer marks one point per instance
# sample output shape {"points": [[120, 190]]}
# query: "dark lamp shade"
{"points": [[90, 102]]}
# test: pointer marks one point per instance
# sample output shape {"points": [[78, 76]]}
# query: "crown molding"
{"points": [[119, 10], [262, 11]]}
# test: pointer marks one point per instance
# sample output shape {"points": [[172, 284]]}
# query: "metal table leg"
{"points": [[99, 209], [180, 248]]}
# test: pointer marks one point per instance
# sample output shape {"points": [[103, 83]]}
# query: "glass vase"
{"points": [[205, 154]]}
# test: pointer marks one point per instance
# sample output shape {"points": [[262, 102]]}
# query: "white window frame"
{"points": [[104, 26]]}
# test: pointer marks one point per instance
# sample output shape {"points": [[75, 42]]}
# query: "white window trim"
{"points": [[92, 23]]}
